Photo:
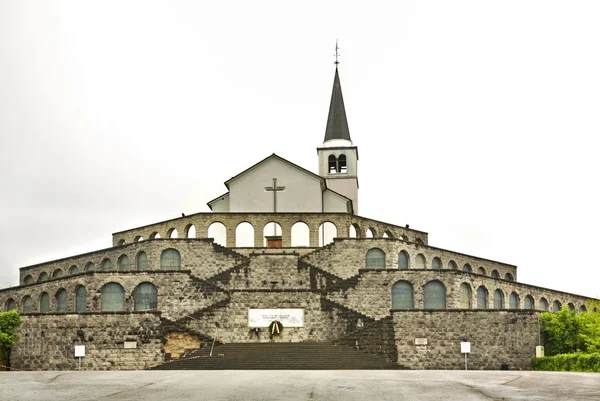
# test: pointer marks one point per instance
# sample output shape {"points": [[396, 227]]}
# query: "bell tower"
{"points": [[338, 158]]}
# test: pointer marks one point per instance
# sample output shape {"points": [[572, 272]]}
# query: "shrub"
{"points": [[8, 322], [568, 363]]}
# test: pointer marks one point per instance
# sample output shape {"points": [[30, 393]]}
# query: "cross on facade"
{"points": [[274, 189]]}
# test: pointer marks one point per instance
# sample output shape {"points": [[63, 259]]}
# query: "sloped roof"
{"points": [[337, 123]]}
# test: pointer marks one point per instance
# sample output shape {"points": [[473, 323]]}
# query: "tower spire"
{"points": [[337, 123]]}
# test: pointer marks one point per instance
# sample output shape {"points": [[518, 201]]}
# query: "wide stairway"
{"points": [[278, 356]]}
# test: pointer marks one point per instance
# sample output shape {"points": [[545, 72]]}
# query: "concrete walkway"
{"points": [[312, 385]]}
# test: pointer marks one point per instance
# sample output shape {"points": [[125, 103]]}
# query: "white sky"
{"points": [[475, 120]]}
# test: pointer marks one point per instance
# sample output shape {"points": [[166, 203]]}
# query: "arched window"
{"points": [[420, 262], [436, 263], [154, 235], [172, 233], [300, 234], [482, 298], [121, 242], [73, 270], [582, 308], [342, 167], [544, 304], [28, 280], [170, 259], [571, 306], [498, 299], [145, 297], [106, 264], [138, 238], [244, 235], [190, 231], [327, 232], [123, 263], [388, 234], [375, 259], [58, 273], [10, 305], [44, 303], [452, 265], [495, 274], [27, 304], [43, 277], [332, 164], [466, 296], [434, 295], [508, 277], [481, 271], [403, 260], [89, 267], [371, 233], [271, 229], [218, 232], [513, 301], [61, 301], [402, 295], [354, 231], [528, 303], [141, 261], [467, 268], [556, 306], [80, 299], [113, 298]]}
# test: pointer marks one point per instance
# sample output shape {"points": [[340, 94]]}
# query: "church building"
{"points": [[282, 273]]}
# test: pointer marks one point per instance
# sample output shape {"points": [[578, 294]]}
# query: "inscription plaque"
{"points": [[264, 317]]}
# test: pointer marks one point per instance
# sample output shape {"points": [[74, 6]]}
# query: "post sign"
{"points": [[465, 347], [79, 351], [264, 317]]}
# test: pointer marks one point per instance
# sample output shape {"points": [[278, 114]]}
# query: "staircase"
{"points": [[278, 356]]}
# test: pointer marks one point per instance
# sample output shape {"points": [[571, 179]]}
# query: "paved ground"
{"points": [[299, 385]]}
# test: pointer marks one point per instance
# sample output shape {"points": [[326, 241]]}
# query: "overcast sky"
{"points": [[476, 121]]}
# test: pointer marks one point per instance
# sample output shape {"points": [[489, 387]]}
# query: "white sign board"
{"points": [[420, 341], [79, 351], [264, 317], [130, 344], [465, 347]]}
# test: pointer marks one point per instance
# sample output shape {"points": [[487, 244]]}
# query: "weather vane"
{"points": [[336, 53]]}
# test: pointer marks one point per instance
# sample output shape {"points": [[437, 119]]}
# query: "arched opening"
{"points": [[27, 304], [327, 232], [556, 306], [218, 232], [145, 297], [73, 270], [300, 234], [28, 280], [371, 233], [402, 295], [138, 238], [106, 264], [44, 302], [403, 260], [452, 265], [141, 261], [244, 235], [481, 271], [172, 233], [571, 306], [123, 263], [154, 235], [170, 259], [354, 231], [495, 274], [10, 305], [61, 301], [58, 273], [498, 299], [420, 262], [482, 298], [466, 296], [112, 298], [89, 267], [582, 308], [190, 231], [436, 263], [375, 259], [467, 268], [121, 242], [513, 301], [342, 167], [434, 295], [332, 164], [544, 304], [43, 277], [271, 235], [529, 303], [508, 277], [80, 299]]}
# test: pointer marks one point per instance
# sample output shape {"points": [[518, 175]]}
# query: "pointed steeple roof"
{"points": [[337, 123]]}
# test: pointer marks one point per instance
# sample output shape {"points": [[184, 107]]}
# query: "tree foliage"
{"points": [[569, 331], [8, 322]]}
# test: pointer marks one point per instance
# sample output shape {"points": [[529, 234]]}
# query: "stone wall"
{"points": [[47, 342], [497, 338]]}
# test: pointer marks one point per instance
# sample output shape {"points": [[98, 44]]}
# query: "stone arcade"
{"points": [[291, 242]]}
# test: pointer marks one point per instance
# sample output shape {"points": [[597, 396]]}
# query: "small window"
{"points": [[434, 295], [342, 167], [58, 273], [544, 305], [61, 301], [508, 277], [498, 299], [495, 274], [482, 298], [123, 263], [513, 301], [403, 260], [141, 262], [80, 299], [571, 306], [481, 271], [420, 261], [452, 265], [73, 270], [113, 298], [402, 295], [332, 163], [28, 280], [145, 297], [106, 264], [89, 267], [467, 268], [582, 308], [556, 306], [436, 263], [465, 296], [528, 303], [27, 304], [43, 277], [375, 259], [10, 305], [170, 259], [44, 303]]}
